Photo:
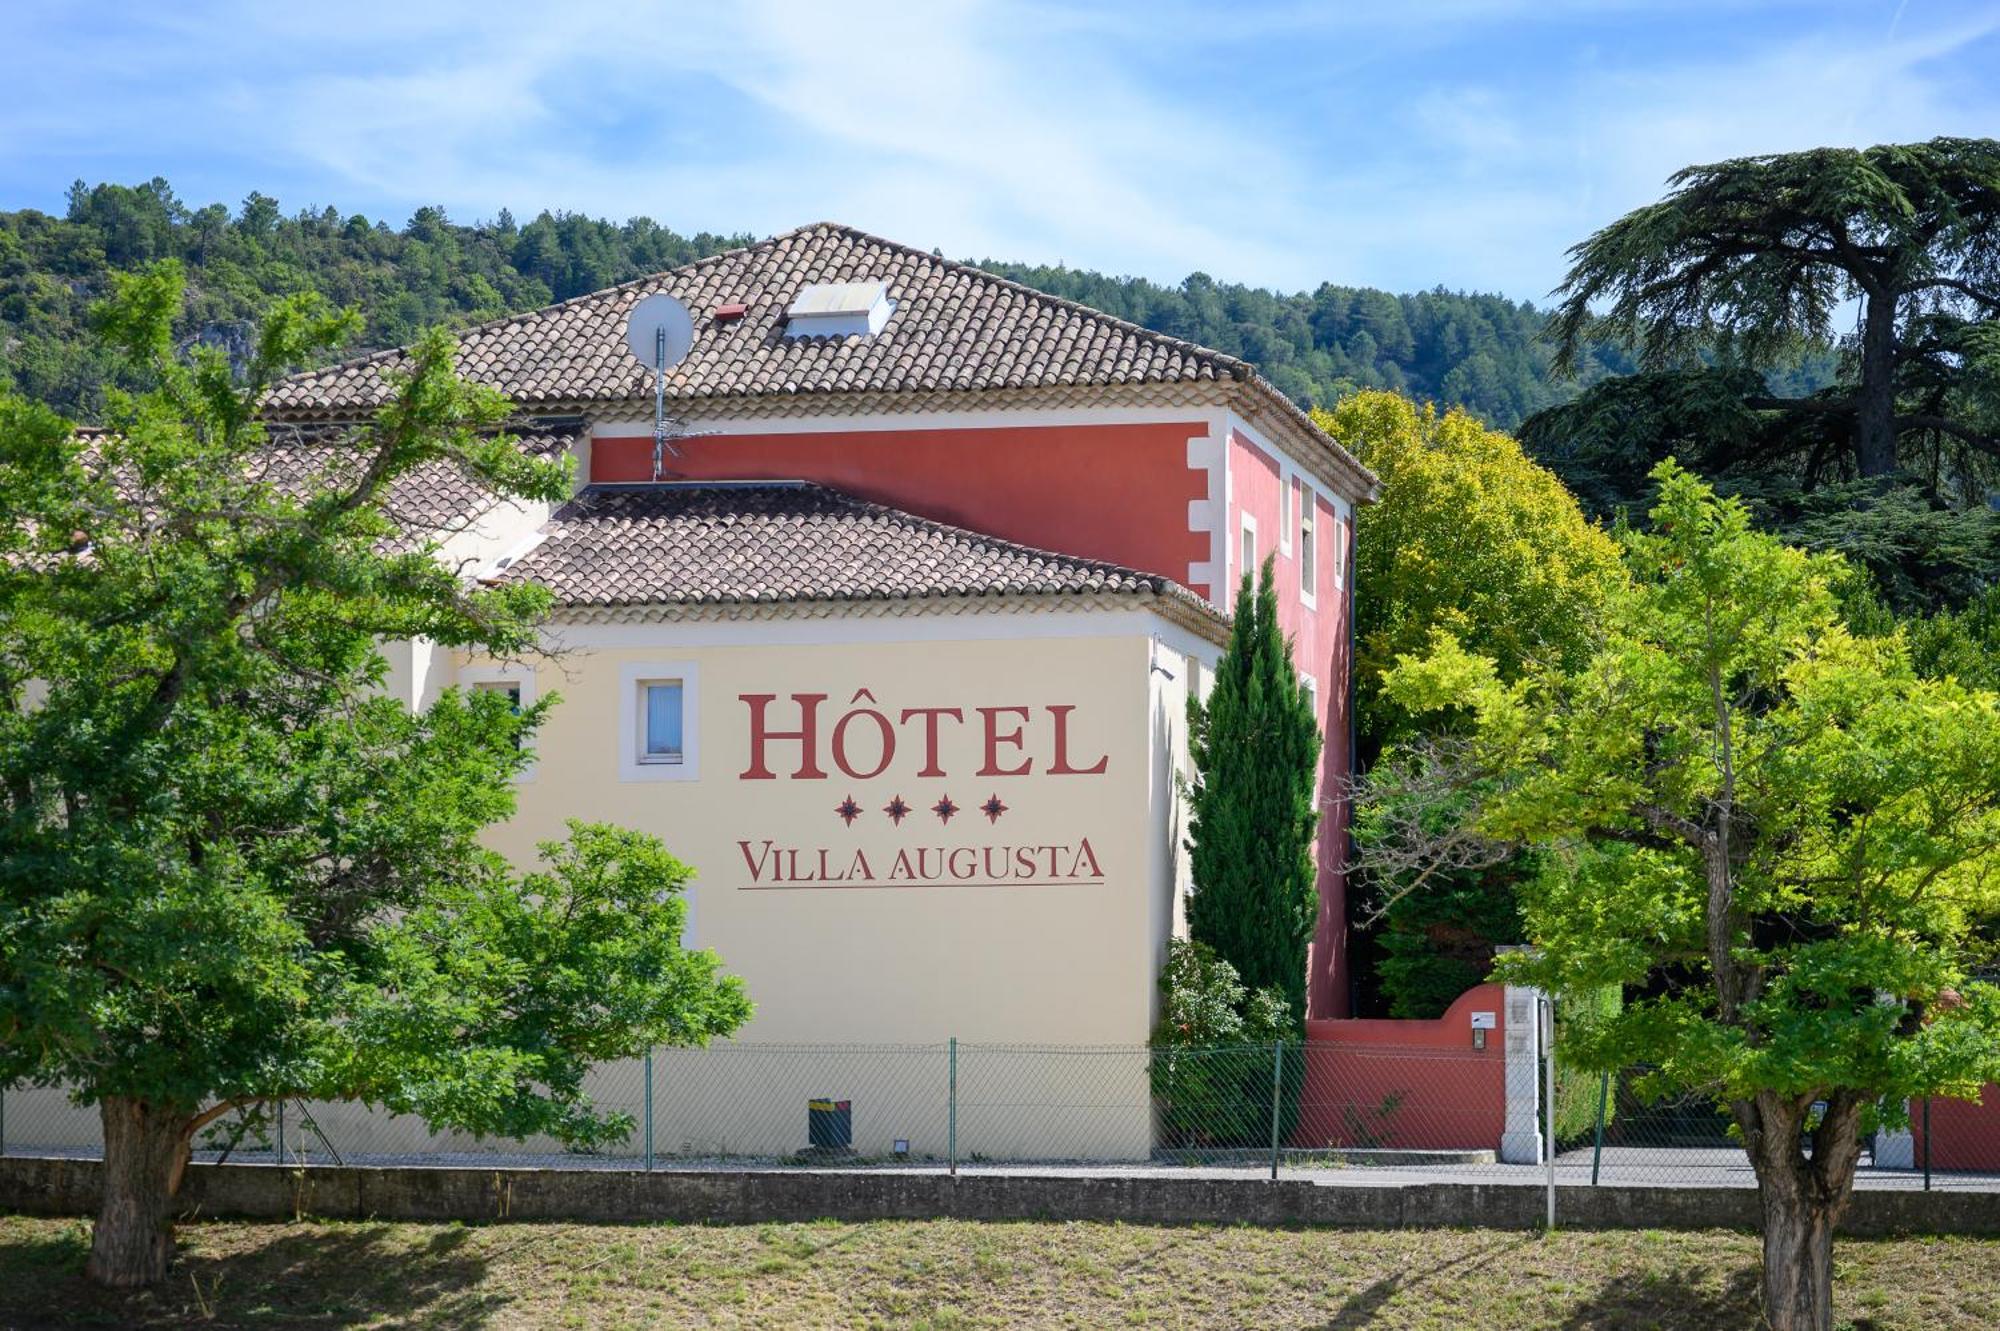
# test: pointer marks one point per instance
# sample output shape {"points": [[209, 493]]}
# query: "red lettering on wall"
{"points": [[1061, 767], [886, 743], [807, 735], [931, 715], [994, 739]]}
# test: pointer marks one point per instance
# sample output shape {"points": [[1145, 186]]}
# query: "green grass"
{"points": [[959, 1274]]}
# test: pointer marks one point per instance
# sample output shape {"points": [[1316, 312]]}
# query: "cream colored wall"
{"points": [[1047, 971], [1055, 960]]}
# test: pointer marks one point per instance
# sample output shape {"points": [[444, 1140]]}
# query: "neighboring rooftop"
{"points": [[752, 543], [430, 502]]}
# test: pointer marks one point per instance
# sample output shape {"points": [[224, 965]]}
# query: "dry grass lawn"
{"points": [[964, 1274]]}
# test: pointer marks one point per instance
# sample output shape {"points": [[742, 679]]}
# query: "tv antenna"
{"points": [[659, 331]]}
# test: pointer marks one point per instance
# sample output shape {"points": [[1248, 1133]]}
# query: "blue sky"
{"points": [[1402, 145]]}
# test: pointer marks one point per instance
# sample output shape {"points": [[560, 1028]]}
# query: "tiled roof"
{"points": [[954, 328], [787, 541], [428, 502]]}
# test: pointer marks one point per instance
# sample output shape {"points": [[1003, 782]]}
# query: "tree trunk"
{"points": [[1875, 403], [1803, 1198], [1798, 1259], [145, 1153]]}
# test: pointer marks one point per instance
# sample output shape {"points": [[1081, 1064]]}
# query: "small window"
{"points": [[1250, 546], [660, 721], [1284, 514], [1309, 547], [509, 688], [1343, 547], [515, 683], [1312, 693]]}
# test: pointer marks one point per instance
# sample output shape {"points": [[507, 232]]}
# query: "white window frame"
{"points": [[1284, 512], [632, 762], [1311, 683], [488, 676], [1343, 548], [1309, 559], [1247, 556]]}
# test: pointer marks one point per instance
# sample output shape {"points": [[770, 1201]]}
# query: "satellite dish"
{"points": [[659, 331]]}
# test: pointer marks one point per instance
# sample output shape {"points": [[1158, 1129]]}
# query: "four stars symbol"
{"points": [[898, 809]]}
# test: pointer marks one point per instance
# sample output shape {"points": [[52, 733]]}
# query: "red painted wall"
{"points": [[1964, 1135], [1319, 650], [1408, 1085], [1111, 492]]}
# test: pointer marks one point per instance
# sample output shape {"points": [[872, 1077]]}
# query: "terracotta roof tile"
{"points": [[953, 326], [762, 542], [428, 502]]}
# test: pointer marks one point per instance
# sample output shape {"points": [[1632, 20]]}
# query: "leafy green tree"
{"points": [[1252, 815], [232, 870], [1471, 538], [1315, 345], [1811, 849], [1745, 274], [1755, 256], [1212, 1058]]}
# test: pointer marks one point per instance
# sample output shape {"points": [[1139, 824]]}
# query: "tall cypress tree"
{"points": [[1255, 744]]}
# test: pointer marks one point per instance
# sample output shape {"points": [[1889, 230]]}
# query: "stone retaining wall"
{"points": [[42, 1186]]}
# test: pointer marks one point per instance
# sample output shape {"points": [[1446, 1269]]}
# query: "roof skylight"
{"points": [[839, 309]]}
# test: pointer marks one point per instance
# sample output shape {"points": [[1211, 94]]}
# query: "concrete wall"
{"points": [[865, 941], [70, 1187], [1028, 924], [1408, 1085]]}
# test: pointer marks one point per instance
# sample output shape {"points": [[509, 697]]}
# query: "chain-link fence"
{"points": [[1325, 1110]]}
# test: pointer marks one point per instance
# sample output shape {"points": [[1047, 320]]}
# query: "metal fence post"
{"points": [[281, 1129], [1597, 1152], [649, 1109], [951, 1110], [1549, 1084], [1927, 1143], [1277, 1094]]}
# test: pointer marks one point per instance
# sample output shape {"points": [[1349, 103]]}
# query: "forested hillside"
{"points": [[1478, 351]]}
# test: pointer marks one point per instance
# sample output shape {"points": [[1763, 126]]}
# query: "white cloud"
{"points": [[1466, 142]]}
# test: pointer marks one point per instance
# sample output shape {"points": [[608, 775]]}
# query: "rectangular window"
{"points": [[515, 683], [1284, 514], [509, 688], [1250, 546], [660, 721], [1308, 547], [1343, 549]]}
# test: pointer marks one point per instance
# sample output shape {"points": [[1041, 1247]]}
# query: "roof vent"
{"points": [[839, 309]]}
